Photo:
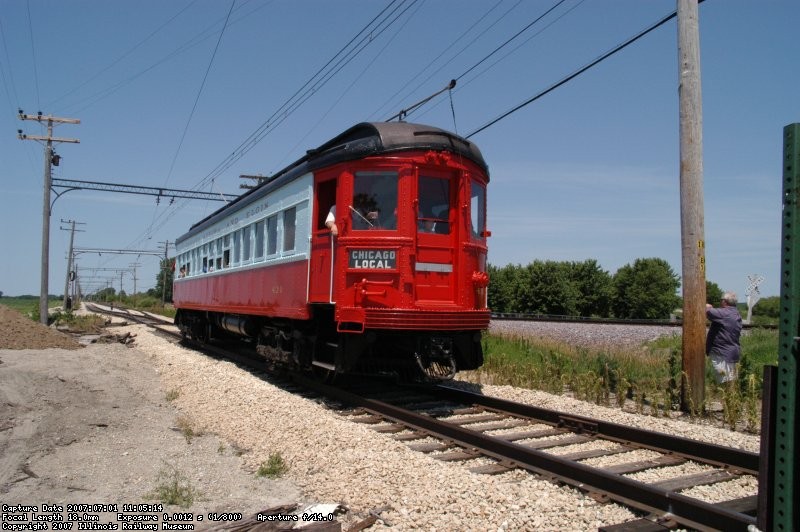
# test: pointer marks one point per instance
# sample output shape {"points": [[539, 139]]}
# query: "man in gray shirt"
{"points": [[722, 343]]}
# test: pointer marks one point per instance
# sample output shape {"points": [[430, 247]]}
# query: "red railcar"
{"points": [[401, 288]]}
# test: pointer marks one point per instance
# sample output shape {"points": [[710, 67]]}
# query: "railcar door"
{"points": [[435, 265], [322, 241]]}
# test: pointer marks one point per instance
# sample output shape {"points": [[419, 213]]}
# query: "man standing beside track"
{"points": [[722, 343]]}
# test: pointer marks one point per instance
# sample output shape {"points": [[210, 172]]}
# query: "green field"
{"points": [[28, 304]]}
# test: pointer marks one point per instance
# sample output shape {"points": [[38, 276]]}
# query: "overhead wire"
{"points": [[199, 92], [196, 40], [347, 89], [508, 41], [309, 88], [480, 19], [196, 100], [577, 73], [306, 91], [121, 57], [33, 53]]}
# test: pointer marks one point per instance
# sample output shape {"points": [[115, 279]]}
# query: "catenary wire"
{"points": [[577, 72]]}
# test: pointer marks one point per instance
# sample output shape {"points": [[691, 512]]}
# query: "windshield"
{"points": [[374, 200], [434, 205], [477, 210]]}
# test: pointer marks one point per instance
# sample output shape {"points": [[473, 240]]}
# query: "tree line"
{"points": [[646, 289]]}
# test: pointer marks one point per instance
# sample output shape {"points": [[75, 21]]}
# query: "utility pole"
{"points": [[70, 275], [692, 219], [50, 158], [134, 265], [164, 273]]}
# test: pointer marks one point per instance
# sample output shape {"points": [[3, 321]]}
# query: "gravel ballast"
{"points": [[335, 460]]}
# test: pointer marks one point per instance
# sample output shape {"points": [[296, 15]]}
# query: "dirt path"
{"points": [[93, 426]]}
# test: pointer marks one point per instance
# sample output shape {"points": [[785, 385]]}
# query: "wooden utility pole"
{"points": [[49, 158], [692, 224], [70, 275]]}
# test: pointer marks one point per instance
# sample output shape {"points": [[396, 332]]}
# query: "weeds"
{"points": [[173, 487], [186, 428], [650, 375], [274, 467], [173, 394]]}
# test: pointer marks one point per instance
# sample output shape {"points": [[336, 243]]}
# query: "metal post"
{"points": [[692, 224], [786, 513]]}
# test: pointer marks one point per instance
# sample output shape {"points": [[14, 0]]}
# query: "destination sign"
{"points": [[373, 259]]}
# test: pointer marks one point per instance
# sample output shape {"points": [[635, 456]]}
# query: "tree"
{"points": [[713, 293], [166, 269], [551, 290], [645, 290], [594, 287], [768, 306]]}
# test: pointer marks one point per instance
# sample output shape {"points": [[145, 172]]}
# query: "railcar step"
{"points": [[324, 365]]}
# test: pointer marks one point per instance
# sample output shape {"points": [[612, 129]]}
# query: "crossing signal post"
{"points": [[50, 159]]}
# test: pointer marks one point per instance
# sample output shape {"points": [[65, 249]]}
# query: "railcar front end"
{"points": [[400, 289]]}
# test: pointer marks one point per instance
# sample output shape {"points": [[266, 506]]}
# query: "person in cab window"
{"points": [[430, 223], [365, 212], [330, 221]]}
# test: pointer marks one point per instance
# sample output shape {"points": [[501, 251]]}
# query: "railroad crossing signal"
{"points": [[752, 293]]}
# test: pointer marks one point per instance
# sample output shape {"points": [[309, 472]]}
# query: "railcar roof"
{"points": [[362, 140]]}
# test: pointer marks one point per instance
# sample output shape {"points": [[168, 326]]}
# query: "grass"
{"points": [[274, 467], [648, 377], [173, 487]]}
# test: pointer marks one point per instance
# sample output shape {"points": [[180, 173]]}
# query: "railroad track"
{"points": [[456, 426]]}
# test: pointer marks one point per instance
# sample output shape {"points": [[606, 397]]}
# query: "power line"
{"points": [[33, 52], [123, 56], [368, 34], [578, 72], [199, 92]]}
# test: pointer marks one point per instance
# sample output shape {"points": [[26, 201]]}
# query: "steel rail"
{"points": [[747, 462], [674, 506], [685, 510]]}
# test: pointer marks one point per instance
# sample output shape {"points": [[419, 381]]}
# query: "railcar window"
{"points": [[226, 251], [477, 210], [374, 201], [237, 246], [259, 229], [289, 224], [246, 243], [272, 234], [434, 205]]}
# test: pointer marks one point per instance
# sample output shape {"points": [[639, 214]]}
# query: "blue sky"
{"points": [[589, 171]]}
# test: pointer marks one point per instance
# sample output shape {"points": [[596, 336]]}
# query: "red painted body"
{"points": [[258, 291], [404, 278]]}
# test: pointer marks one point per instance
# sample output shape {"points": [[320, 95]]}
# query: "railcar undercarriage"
{"points": [[316, 346]]}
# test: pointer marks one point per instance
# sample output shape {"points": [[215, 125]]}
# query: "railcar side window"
{"points": [[237, 246], [477, 210], [226, 251], [374, 201], [434, 205], [246, 243], [272, 234], [289, 224], [259, 229]]}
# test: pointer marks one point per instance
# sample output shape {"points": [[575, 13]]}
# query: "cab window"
{"points": [[477, 210], [374, 201], [434, 205]]}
